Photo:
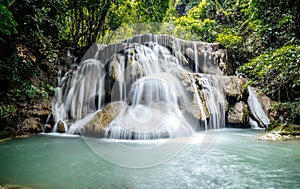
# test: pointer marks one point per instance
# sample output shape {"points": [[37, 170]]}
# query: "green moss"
{"points": [[284, 128]]}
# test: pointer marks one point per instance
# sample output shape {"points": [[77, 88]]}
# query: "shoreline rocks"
{"points": [[282, 131]]}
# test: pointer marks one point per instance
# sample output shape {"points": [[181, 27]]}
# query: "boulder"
{"points": [[234, 89], [96, 127], [238, 115], [47, 128], [61, 127]]}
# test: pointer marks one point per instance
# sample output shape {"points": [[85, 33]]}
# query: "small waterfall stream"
{"points": [[256, 109], [151, 75]]}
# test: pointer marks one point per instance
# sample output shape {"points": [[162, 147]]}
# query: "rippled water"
{"points": [[237, 159]]}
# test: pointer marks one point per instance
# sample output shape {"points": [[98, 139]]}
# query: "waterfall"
{"points": [[215, 100], [256, 109], [151, 75], [196, 58]]}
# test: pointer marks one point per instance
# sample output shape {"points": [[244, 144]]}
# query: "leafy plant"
{"points": [[290, 111], [229, 39], [8, 24], [277, 72], [7, 112]]}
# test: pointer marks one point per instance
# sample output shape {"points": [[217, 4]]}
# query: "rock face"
{"points": [[193, 84], [266, 104], [141, 70], [35, 117], [238, 115], [234, 89], [132, 72]]}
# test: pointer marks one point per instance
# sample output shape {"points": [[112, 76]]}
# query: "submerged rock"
{"points": [[13, 186]]}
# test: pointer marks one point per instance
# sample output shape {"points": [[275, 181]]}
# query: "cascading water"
{"points": [[148, 74], [256, 109]]}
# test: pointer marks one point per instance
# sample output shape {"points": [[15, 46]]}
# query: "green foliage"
{"points": [[18, 81], [273, 22], [7, 112], [199, 11], [290, 110], [150, 10], [277, 72], [229, 40], [29, 91], [48, 48], [195, 25], [8, 24], [188, 25]]}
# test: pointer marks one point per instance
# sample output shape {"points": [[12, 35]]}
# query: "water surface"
{"points": [[237, 159]]}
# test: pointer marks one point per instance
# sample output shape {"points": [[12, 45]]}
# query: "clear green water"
{"points": [[237, 159]]}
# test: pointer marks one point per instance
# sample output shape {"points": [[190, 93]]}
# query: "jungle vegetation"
{"points": [[262, 37]]}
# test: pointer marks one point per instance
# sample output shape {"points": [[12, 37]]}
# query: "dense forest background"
{"points": [[262, 38]]}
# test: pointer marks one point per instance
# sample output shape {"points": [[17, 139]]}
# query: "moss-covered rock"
{"points": [[287, 129], [281, 131]]}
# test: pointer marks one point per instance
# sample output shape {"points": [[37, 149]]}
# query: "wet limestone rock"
{"points": [[96, 127], [238, 114], [34, 117], [234, 89], [266, 104], [187, 79], [32, 125], [61, 127], [48, 128]]}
